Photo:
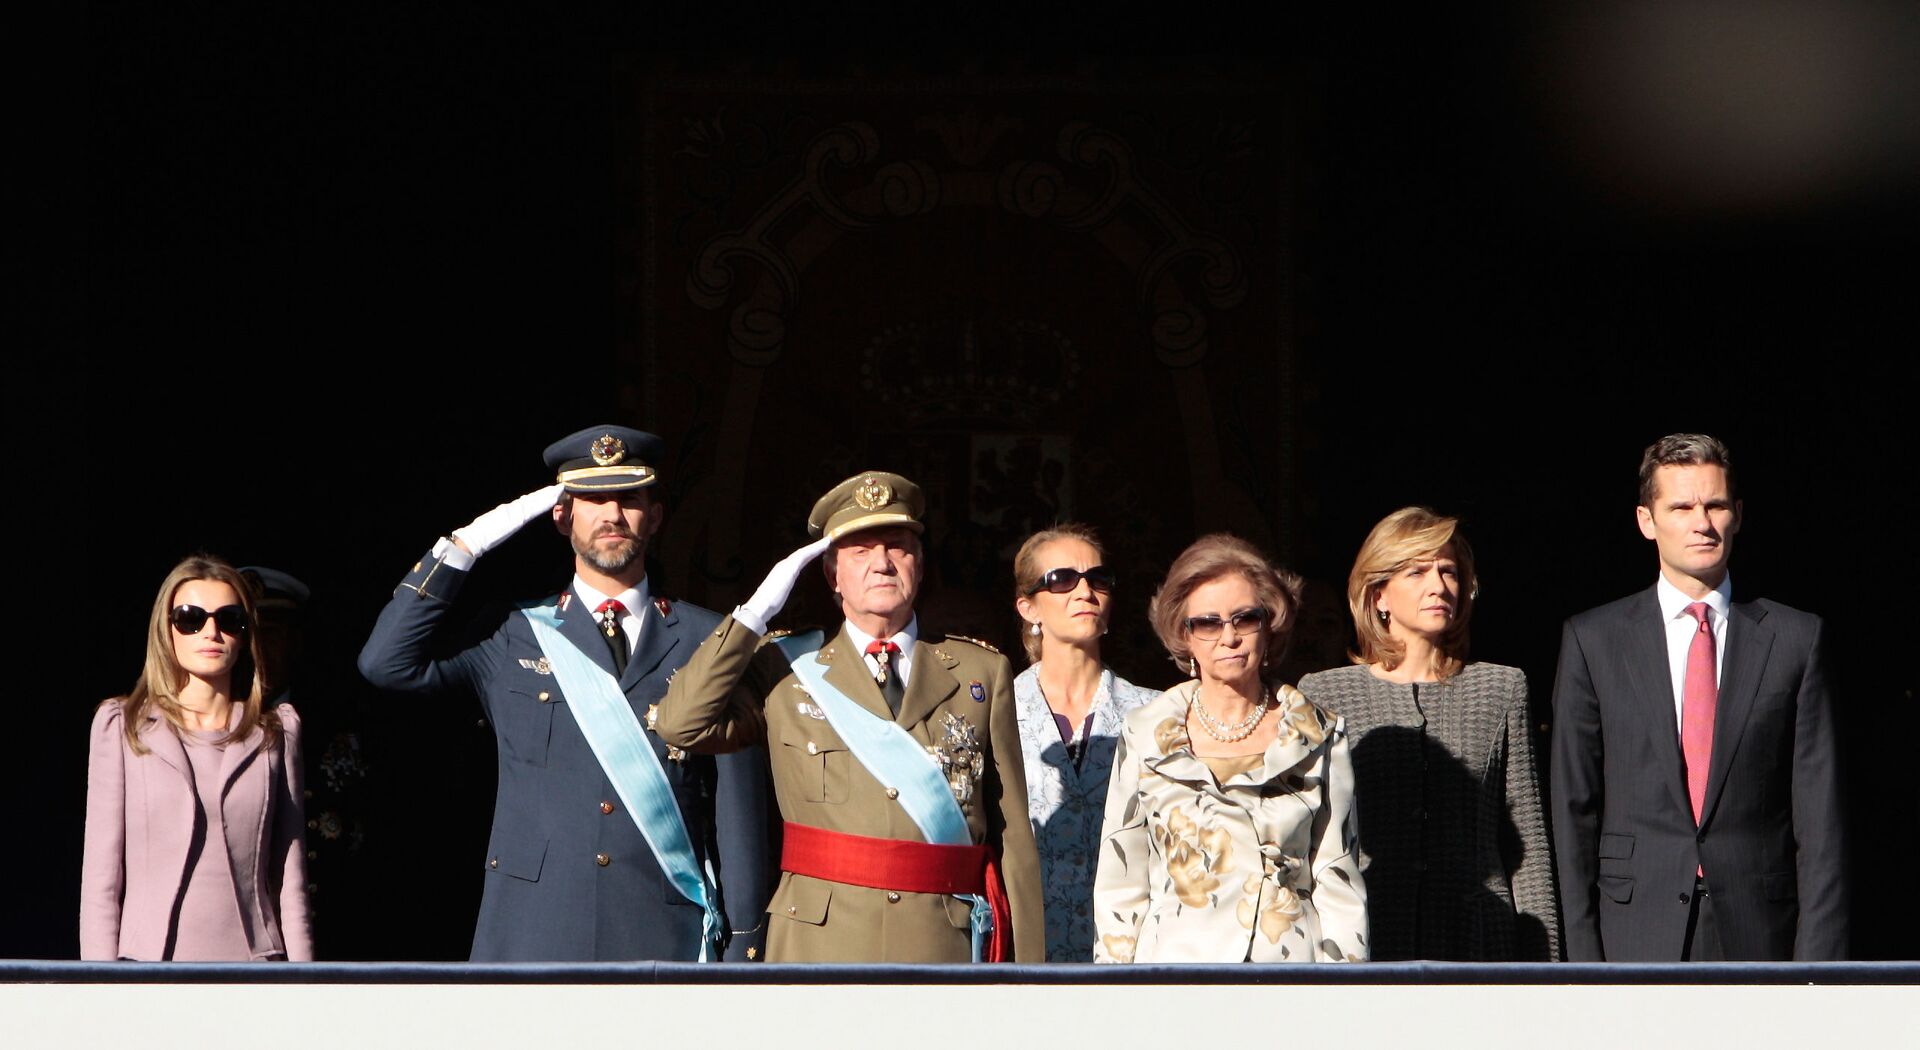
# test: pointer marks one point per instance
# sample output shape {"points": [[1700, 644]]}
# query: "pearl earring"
{"points": [[1034, 630], [1383, 615]]}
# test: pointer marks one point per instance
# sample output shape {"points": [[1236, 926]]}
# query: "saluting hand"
{"points": [[491, 529], [771, 595]]}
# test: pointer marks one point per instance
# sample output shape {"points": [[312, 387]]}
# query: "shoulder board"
{"points": [[973, 641]]}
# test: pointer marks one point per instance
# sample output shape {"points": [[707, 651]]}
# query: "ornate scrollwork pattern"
{"points": [[1043, 191], [900, 190]]}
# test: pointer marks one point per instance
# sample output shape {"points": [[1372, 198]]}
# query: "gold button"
{"points": [[893, 792], [493, 862], [892, 897], [791, 910], [606, 807], [416, 566], [602, 859], [812, 748], [545, 696]]}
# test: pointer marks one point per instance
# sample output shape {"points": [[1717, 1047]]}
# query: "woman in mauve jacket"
{"points": [[194, 793]]}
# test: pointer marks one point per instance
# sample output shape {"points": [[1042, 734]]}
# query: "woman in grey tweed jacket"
{"points": [[1453, 836]]}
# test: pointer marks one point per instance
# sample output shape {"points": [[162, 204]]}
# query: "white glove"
{"points": [[765, 604], [491, 529]]}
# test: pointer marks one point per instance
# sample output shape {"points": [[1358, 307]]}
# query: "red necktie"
{"points": [[1697, 701], [890, 688], [610, 612]]}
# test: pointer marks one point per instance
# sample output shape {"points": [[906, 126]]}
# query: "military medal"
{"points": [[959, 756]]}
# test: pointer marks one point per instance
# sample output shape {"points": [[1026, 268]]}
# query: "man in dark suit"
{"points": [[607, 844], [1695, 798]]}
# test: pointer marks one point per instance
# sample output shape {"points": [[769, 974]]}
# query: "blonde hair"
{"points": [[1408, 535], [1208, 559], [1027, 571], [160, 682]]}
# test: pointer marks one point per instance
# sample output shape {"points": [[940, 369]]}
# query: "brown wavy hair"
{"points": [[159, 685], [1408, 535], [1208, 559]]}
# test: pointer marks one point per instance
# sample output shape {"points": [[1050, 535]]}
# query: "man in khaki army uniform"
{"points": [[895, 754]]}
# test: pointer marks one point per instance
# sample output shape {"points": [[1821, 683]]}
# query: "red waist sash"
{"points": [[904, 866]]}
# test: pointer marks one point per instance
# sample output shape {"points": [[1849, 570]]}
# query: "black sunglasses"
{"points": [[188, 619], [1246, 621], [1063, 581]]}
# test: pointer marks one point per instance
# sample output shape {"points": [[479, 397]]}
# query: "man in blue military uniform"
{"points": [[607, 844]]}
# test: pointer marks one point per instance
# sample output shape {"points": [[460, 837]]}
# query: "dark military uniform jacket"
{"points": [[568, 874], [735, 693]]}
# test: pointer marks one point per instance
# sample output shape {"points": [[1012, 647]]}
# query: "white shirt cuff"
{"points": [[747, 618], [452, 555]]}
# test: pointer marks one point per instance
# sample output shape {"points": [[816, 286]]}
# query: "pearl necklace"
{"points": [[1238, 731]]}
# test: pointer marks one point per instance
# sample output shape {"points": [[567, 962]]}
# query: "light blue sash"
{"points": [[607, 721], [894, 758]]}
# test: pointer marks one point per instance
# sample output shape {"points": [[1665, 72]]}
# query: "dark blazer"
{"points": [[568, 874], [1770, 836]]}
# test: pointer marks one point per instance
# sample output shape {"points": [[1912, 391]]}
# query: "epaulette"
{"points": [[974, 641], [771, 636]]}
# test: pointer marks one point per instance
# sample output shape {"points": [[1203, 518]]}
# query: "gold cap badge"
{"points": [[872, 493], [608, 450]]}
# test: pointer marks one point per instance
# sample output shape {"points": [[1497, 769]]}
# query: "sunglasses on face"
{"points": [[1246, 621], [188, 619], [1063, 581]]}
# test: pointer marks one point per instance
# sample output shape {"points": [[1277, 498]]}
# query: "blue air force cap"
{"points": [[606, 459]]}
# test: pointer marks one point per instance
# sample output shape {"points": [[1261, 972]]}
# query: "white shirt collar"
{"points": [[634, 599], [1674, 602], [904, 639]]}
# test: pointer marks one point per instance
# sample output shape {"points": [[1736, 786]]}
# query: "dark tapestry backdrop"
{"points": [[1031, 294], [344, 277]]}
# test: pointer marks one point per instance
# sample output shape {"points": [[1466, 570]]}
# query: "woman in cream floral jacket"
{"points": [[1229, 832]]}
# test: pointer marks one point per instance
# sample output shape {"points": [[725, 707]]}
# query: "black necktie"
{"points": [[888, 676], [610, 611]]}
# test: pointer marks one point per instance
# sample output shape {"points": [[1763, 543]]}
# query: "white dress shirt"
{"points": [[903, 663], [633, 599], [1680, 628]]}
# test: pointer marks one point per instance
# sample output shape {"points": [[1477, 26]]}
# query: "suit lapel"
{"points": [[847, 672], [1749, 641], [929, 686], [237, 757], [1652, 677], [165, 746], [579, 626], [657, 639]]}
